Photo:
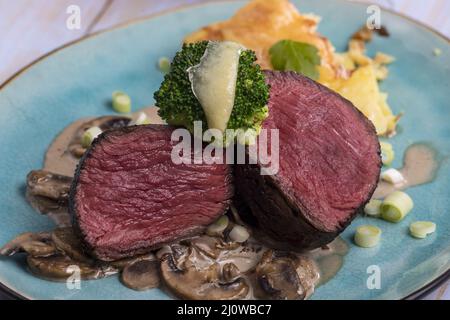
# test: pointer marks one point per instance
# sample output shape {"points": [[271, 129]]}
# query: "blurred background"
{"points": [[32, 28]]}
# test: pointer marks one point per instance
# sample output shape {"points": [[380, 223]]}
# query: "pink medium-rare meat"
{"points": [[329, 164], [128, 197]]}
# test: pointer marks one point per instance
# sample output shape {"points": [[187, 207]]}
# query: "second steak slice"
{"points": [[129, 197], [329, 164]]}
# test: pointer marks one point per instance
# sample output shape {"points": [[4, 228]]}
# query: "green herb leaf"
{"points": [[288, 55]]}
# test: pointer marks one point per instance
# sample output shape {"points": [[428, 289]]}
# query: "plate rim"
{"points": [[417, 294], [186, 6]]}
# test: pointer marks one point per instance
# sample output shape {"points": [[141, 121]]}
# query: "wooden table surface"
{"points": [[31, 28]]}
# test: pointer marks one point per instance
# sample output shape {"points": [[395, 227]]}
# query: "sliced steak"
{"points": [[329, 163], [128, 197]]}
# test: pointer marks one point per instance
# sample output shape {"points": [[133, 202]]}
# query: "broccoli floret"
{"points": [[179, 106]]}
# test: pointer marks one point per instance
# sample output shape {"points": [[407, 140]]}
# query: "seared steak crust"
{"points": [[329, 158]]}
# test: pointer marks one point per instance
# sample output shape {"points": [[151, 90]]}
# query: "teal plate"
{"points": [[77, 80]]}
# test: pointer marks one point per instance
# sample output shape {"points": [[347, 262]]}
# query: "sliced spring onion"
{"points": [[420, 229], [367, 236], [392, 176], [89, 135], [121, 102], [437, 52], [164, 64], [387, 153], [218, 227], [373, 208], [396, 206], [239, 234], [139, 119]]}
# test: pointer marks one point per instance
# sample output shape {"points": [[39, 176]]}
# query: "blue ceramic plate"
{"points": [[76, 82]]}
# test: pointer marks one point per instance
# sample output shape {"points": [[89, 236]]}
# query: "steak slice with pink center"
{"points": [[329, 164], [128, 197]]}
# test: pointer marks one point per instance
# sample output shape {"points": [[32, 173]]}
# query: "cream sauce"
{"points": [[325, 262], [420, 165], [65, 151], [63, 155], [214, 81], [329, 259]]}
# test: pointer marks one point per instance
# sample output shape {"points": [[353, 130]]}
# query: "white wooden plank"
{"points": [[31, 28], [124, 10], [433, 13]]}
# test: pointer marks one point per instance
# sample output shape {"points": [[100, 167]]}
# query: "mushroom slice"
{"points": [[226, 245], [286, 276], [122, 263], [212, 246], [48, 194], [141, 275], [308, 273], [60, 268], [39, 249], [230, 272], [16, 245], [56, 211], [244, 256], [67, 241], [47, 206], [49, 185], [186, 280], [163, 250]]}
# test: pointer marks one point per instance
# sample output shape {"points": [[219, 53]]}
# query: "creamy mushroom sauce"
{"points": [[65, 151], [211, 266], [61, 160], [420, 165], [202, 267]]}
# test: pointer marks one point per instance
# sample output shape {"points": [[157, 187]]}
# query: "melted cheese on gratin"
{"points": [[262, 23]]}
